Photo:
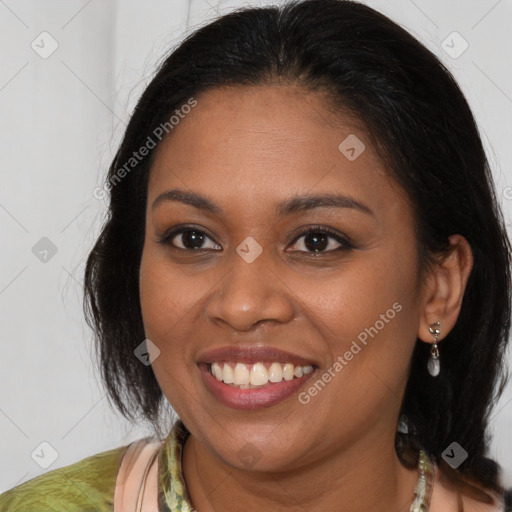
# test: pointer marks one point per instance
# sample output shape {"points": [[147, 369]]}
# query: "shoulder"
{"points": [[87, 485], [452, 496], [487, 501], [499, 503]]}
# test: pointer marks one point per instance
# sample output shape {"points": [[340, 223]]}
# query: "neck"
{"points": [[354, 478]]}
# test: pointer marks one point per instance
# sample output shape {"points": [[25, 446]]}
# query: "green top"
{"points": [[89, 485], [86, 486], [172, 489]]}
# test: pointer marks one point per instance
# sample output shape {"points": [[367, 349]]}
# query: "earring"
{"points": [[434, 365]]}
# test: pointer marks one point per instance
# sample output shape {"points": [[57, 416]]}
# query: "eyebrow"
{"points": [[295, 204]]}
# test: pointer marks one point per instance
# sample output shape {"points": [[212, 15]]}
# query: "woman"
{"points": [[305, 258]]}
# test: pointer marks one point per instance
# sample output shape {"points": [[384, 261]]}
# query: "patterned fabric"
{"points": [[86, 486], [172, 490]]}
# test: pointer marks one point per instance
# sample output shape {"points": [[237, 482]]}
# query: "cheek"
{"points": [[164, 305], [167, 295], [367, 312], [158, 304]]}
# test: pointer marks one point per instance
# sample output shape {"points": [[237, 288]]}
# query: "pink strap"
{"points": [[137, 480]]}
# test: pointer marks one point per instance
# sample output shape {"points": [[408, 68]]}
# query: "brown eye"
{"points": [[316, 240], [189, 239]]}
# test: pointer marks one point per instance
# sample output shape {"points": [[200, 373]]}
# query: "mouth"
{"points": [[254, 385], [258, 375]]}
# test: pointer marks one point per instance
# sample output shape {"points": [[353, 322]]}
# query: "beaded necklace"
{"points": [[424, 485], [173, 495]]}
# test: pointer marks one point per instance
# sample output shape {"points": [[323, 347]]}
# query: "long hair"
{"points": [[422, 128]]}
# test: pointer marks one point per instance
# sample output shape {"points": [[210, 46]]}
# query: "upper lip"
{"points": [[253, 354]]}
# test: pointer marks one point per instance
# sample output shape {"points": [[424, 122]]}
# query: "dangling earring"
{"points": [[434, 365]]}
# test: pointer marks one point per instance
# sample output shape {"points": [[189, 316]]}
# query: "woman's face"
{"points": [[346, 301]]}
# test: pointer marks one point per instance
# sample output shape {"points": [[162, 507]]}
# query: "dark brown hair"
{"points": [[421, 124]]}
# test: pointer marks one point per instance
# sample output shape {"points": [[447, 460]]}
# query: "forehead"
{"points": [[265, 143]]}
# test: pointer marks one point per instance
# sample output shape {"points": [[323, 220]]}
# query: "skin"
{"points": [[248, 149]]}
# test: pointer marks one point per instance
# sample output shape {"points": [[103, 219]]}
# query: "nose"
{"points": [[249, 294]]}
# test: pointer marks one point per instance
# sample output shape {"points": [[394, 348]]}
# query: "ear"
{"points": [[443, 289]]}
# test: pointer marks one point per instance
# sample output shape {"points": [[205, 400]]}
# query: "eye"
{"points": [[320, 239], [317, 240], [188, 239]]}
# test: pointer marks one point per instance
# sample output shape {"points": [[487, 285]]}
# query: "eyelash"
{"points": [[344, 241]]}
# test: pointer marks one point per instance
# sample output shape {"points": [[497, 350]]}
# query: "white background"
{"points": [[60, 120]]}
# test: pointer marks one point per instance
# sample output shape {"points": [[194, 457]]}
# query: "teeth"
{"points": [[227, 374], [256, 375], [275, 373], [288, 371], [240, 375], [217, 371], [307, 369]]}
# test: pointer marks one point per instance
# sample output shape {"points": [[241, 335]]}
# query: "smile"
{"points": [[258, 375], [242, 394]]}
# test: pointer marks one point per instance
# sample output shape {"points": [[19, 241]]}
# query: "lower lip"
{"points": [[252, 398]]}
